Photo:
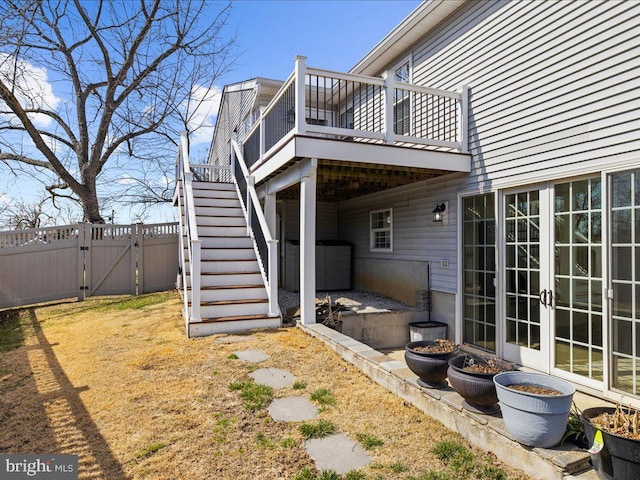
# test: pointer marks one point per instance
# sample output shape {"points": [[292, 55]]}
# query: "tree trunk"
{"points": [[90, 207]]}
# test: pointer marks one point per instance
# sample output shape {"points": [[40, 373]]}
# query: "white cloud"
{"points": [[31, 85], [126, 179], [203, 110], [4, 200]]}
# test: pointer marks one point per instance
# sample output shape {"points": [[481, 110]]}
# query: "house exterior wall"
{"points": [[553, 86]]}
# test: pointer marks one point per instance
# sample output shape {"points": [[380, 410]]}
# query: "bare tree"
{"points": [[129, 75]]}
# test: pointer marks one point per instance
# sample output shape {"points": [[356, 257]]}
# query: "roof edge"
{"points": [[425, 17]]}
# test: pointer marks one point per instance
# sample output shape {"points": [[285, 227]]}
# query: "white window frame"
{"points": [[373, 231], [408, 61]]}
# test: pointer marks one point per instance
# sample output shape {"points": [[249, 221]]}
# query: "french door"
{"points": [[528, 293], [553, 280]]}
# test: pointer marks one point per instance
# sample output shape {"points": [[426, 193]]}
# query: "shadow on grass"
{"points": [[41, 410]]}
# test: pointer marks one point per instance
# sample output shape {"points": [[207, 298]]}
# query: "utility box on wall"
{"points": [[427, 331], [333, 265]]}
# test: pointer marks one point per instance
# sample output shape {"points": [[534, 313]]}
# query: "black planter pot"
{"points": [[431, 368], [619, 458], [476, 388]]}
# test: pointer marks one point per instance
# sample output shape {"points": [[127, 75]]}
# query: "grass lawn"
{"points": [[115, 381]]}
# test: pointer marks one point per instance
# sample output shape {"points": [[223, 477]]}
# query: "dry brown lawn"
{"points": [[115, 381]]}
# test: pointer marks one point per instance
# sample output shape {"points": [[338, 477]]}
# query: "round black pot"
{"points": [[476, 388], [431, 368], [619, 458]]}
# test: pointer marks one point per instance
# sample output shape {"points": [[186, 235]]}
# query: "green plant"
{"points": [[255, 396], [489, 472], [575, 428], [233, 356], [305, 474], [318, 429], [299, 385], [433, 475], [150, 450], [289, 442], [398, 467], [368, 441], [355, 475], [448, 449], [323, 397], [264, 442], [328, 475]]}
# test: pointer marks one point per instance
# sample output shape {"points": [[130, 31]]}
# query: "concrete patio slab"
{"points": [[253, 356], [337, 452], [292, 409], [273, 377]]}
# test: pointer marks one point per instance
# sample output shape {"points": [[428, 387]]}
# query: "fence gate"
{"points": [[44, 264], [110, 259]]}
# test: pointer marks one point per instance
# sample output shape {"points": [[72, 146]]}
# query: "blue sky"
{"points": [[333, 34]]}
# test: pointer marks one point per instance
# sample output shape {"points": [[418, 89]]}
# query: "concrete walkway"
{"points": [[336, 452], [487, 432]]}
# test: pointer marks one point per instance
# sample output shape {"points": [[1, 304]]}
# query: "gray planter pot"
{"points": [[532, 419]]}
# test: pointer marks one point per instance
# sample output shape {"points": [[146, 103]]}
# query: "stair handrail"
{"points": [[194, 244], [272, 243], [182, 284]]}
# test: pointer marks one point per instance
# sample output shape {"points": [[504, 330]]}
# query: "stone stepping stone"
{"points": [[292, 409], [254, 356], [337, 452], [235, 338], [273, 377]]}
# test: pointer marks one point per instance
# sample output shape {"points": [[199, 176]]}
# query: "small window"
{"points": [[381, 230], [402, 101]]}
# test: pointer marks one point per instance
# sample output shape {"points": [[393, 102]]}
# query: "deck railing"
{"points": [[358, 108], [189, 227], [257, 226]]}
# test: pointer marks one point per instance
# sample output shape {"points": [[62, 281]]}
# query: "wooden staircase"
{"points": [[233, 296]]}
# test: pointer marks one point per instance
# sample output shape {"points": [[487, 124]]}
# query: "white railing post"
{"points": [[308, 245], [196, 248], [463, 112], [263, 138], [389, 88], [192, 232], [300, 81], [274, 308], [250, 185]]}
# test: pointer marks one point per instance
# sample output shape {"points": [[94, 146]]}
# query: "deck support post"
{"points": [[308, 245]]}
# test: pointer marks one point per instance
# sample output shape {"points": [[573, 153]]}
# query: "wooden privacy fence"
{"points": [[52, 263]]}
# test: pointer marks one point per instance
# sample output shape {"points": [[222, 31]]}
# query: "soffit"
{"points": [[419, 22]]}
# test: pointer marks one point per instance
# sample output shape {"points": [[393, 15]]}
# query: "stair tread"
{"points": [[230, 287], [214, 303], [227, 273], [236, 318]]}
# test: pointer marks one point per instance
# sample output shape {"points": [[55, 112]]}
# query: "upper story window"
{"points": [[402, 100], [381, 230]]}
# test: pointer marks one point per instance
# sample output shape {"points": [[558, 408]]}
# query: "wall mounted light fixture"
{"points": [[438, 212]]}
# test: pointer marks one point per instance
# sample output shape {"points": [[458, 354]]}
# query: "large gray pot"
{"points": [[532, 419]]}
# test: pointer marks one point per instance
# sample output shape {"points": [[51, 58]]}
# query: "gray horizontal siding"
{"points": [[415, 236], [554, 85]]}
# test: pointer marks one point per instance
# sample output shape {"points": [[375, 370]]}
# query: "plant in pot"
{"points": [[429, 360], [535, 407], [472, 377], [615, 438]]}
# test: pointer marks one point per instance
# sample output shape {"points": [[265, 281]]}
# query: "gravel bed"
{"points": [[359, 302]]}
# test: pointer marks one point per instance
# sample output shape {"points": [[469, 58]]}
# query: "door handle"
{"points": [[543, 297], [550, 299]]}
